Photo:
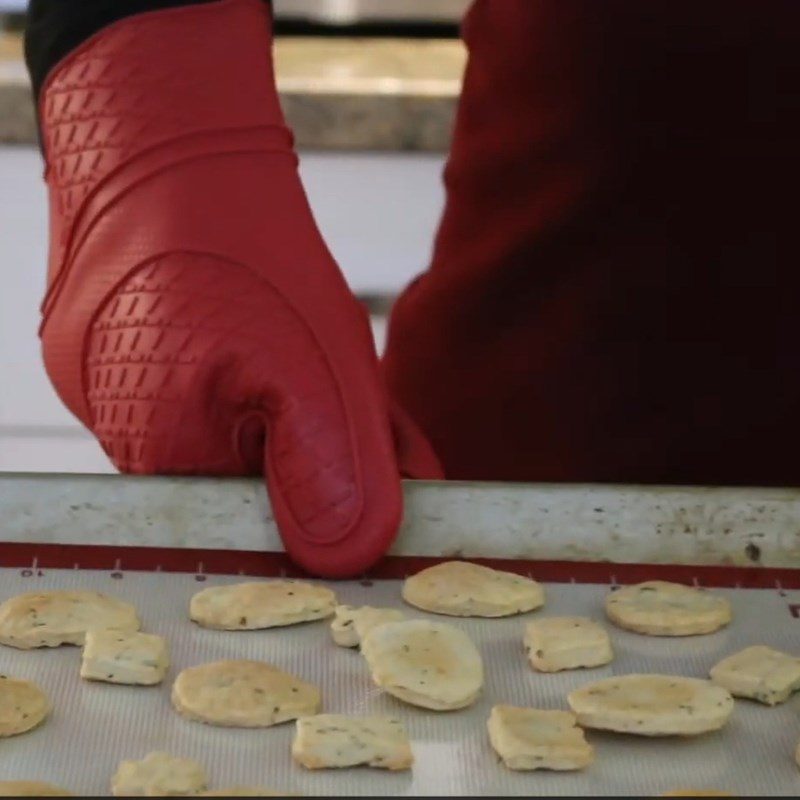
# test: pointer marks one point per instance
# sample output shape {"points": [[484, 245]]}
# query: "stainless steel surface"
{"points": [[94, 725], [625, 524], [347, 12]]}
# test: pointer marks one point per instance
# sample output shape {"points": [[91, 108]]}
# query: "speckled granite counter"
{"points": [[350, 94]]}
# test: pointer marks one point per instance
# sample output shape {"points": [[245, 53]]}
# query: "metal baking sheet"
{"points": [[738, 526], [94, 726]]}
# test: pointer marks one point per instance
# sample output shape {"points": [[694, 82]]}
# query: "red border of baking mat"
{"points": [[27, 555]]}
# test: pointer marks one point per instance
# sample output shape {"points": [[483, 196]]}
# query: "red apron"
{"points": [[614, 286]]}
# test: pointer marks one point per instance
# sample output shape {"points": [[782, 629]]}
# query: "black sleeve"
{"points": [[55, 27]]}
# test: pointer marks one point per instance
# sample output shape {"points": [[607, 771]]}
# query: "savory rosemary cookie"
{"points": [[267, 604], [31, 789], [556, 643], [158, 775], [660, 608], [23, 706], [242, 694], [428, 664], [759, 673], [335, 740], [351, 623], [463, 589], [49, 619], [124, 657], [531, 738], [652, 705]]}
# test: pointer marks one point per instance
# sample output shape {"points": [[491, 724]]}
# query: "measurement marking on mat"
{"points": [[28, 573], [779, 587]]}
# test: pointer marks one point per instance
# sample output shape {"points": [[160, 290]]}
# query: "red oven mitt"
{"points": [[195, 320]]}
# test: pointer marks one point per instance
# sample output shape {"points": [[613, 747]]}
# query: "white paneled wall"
{"points": [[378, 213]]}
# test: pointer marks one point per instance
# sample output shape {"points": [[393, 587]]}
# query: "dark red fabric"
{"points": [[613, 293], [193, 309]]}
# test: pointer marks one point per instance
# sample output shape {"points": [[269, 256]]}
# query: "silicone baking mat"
{"points": [[94, 726]]}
